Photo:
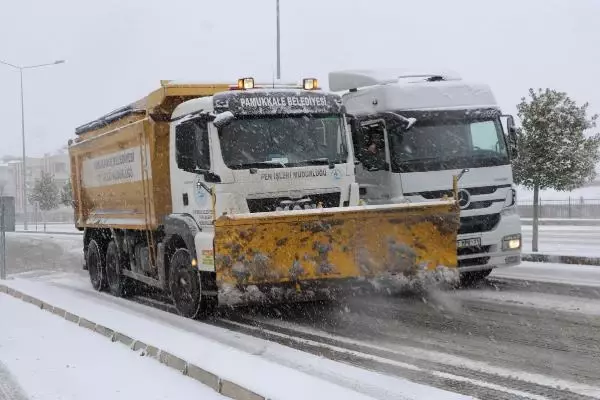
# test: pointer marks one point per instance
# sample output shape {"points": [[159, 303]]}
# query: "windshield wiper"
{"points": [[316, 161], [420, 159], [264, 164]]}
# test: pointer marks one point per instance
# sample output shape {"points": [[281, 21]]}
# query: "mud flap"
{"points": [[336, 243]]}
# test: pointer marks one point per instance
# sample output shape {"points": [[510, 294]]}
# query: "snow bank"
{"points": [[54, 359], [264, 367]]}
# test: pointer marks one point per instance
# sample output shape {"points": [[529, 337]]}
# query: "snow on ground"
{"points": [[54, 252], [267, 368], [588, 193], [51, 358], [50, 227], [564, 240], [449, 359], [568, 274], [544, 301]]}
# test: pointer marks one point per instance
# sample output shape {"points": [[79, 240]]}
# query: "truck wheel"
{"points": [[184, 283], [118, 285], [96, 266], [473, 277]]}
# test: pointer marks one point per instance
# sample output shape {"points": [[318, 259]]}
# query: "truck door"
{"points": [[372, 150], [192, 154]]}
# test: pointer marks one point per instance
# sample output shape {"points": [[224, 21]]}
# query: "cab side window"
{"points": [[191, 146], [372, 151]]}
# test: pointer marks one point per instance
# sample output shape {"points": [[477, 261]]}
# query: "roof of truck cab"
{"points": [[206, 103], [420, 95]]}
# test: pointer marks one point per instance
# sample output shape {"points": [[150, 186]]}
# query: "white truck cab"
{"points": [[413, 131], [262, 149]]}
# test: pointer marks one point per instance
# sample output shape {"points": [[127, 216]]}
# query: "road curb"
{"points": [[560, 259], [218, 384]]}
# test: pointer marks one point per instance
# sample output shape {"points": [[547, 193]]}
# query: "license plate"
{"points": [[472, 242]]}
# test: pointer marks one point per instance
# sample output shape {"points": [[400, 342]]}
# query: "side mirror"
{"points": [[223, 119], [511, 133]]}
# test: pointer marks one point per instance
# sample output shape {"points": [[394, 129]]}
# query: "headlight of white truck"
{"points": [[511, 242]]}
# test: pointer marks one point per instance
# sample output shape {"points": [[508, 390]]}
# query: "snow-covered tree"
{"points": [[66, 194], [45, 194], [554, 151]]}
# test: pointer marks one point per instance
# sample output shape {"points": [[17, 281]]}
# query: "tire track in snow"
{"points": [[472, 376]]}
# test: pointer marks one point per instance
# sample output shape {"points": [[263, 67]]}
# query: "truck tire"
{"points": [[96, 266], [473, 277], [185, 285], [118, 284]]}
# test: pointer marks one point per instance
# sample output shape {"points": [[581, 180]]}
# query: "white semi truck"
{"points": [[412, 131]]}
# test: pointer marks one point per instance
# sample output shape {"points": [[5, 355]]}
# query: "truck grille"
{"points": [[478, 223], [469, 262], [473, 191], [327, 200], [466, 251]]}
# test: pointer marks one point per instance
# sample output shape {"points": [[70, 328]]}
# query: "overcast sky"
{"points": [[118, 51]]}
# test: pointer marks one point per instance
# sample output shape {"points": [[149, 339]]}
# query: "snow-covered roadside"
{"points": [[582, 241], [55, 359], [568, 274], [50, 227], [267, 368]]}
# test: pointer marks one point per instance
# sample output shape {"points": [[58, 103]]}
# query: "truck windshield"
{"points": [[438, 144], [289, 141]]}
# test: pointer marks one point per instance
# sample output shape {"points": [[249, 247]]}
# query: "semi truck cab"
{"points": [[412, 131]]}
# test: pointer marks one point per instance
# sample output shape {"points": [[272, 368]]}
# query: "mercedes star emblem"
{"points": [[464, 199]]}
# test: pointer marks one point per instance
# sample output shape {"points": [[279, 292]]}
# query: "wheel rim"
{"points": [[185, 290], [94, 267]]}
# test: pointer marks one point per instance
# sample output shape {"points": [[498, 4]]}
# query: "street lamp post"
{"points": [[278, 41], [24, 163]]}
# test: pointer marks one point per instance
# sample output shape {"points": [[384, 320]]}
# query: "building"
{"points": [[7, 181], [56, 164]]}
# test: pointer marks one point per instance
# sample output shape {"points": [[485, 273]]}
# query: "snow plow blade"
{"points": [[348, 243]]}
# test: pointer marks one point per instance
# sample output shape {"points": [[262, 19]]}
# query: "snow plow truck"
{"points": [[225, 194]]}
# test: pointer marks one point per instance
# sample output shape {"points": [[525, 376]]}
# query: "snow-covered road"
{"points": [[528, 332]]}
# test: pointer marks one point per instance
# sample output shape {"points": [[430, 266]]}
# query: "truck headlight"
{"points": [[511, 242]]}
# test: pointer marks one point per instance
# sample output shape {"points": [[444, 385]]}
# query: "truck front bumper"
{"points": [[495, 250]]}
